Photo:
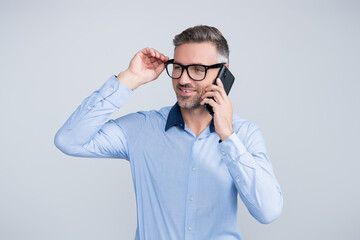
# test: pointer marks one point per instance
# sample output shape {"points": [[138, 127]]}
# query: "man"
{"points": [[187, 166]]}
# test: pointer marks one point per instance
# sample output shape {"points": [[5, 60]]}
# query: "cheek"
{"points": [[204, 84], [211, 76], [207, 82], [202, 87], [174, 83]]}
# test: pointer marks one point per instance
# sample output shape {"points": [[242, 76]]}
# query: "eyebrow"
{"points": [[190, 63]]}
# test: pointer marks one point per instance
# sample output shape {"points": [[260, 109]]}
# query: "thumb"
{"points": [[219, 83]]}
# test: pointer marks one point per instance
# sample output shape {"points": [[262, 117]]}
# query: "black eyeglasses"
{"points": [[196, 72]]}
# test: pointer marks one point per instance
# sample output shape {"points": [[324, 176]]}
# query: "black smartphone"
{"points": [[227, 79]]}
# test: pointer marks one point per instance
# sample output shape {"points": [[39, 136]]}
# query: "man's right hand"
{"points": [[145, 67]]}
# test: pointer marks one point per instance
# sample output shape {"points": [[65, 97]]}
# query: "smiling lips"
{"points": [[186, 91]]}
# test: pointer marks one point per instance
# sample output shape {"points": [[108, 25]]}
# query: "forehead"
{"points": [[196, 53]]}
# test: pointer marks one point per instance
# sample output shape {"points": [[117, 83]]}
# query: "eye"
{"points": [[199, 69], [177, 67]]}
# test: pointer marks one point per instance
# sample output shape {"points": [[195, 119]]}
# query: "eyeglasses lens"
{"points": [[196, 72]]}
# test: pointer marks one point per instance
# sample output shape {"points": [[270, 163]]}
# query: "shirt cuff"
{"points": [[233, 150], [115, 92]]}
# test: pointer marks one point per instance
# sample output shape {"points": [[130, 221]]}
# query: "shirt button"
{"points": [[191, 198], [89, 107], [197, 139], [238, 180], [111, 89], [223, 153], [190, 228], [193, 169]]}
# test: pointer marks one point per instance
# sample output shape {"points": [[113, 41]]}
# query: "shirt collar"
{"points": [[175, 119]]}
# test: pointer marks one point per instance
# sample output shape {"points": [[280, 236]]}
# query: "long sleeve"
{"points": [[253, 175], [87, 133]]}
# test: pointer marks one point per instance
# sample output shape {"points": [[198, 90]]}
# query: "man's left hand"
{"points": [[222, 107]]}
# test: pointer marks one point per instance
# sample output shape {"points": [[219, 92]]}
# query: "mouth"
{"points": [[186, 91]]}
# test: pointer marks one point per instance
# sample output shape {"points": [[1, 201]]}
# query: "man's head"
{"points": [[198, 45], [203, 33]]}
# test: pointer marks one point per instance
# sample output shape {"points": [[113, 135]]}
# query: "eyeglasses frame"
{"points": [[185, 67]]}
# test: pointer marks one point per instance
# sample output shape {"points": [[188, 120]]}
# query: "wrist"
{"points": [[128, 79], [225, 135]]}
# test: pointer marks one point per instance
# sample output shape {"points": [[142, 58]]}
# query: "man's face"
{"points": [[188, 91]]}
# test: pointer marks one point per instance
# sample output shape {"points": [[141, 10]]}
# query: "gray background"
{"points": [[297, 76]]}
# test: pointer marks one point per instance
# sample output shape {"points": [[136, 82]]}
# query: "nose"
{"points": [[185, 79]]}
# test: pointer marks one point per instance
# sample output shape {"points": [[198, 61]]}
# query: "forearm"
{"points": [[254, 179], [90, 116], [129, 79]]}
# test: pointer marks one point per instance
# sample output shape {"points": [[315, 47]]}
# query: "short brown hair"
{"points": [[204, 33]]}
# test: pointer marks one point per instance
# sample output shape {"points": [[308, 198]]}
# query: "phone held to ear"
{"points": [[227, 79]]}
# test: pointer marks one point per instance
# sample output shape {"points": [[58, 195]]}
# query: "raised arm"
{"points": [[88, 132]]}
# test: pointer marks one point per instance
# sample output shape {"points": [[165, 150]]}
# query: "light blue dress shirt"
{"points": [[186, 187]]}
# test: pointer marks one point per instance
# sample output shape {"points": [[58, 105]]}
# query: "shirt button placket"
{"points": [[190, 206]]}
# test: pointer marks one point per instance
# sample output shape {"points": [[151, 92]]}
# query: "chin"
{"points": [[188, 104]]}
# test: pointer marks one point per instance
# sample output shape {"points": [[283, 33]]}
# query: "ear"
{"points": [[227, 65]]}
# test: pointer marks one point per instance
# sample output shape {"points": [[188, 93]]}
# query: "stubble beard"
{"points": [[189, 102]]}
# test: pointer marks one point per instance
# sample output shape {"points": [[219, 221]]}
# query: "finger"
{"points": [[153, 59], [160, 67], [151, 52], [155, 52], [160, 62], [214, 95], [213, 87], [147, 51], [157, 55], [209, 101], [217, 88], [162, 57], [166, 58], [219, 82]]}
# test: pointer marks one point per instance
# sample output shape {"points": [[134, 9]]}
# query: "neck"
{"points": [[196, 119]]}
